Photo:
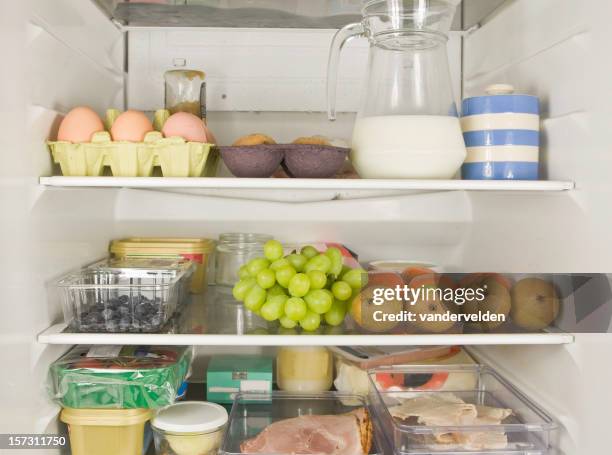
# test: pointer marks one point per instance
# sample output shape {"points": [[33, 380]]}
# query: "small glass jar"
{"points": [[233, 251], [189, 428], [185, 92], [304, 369]]}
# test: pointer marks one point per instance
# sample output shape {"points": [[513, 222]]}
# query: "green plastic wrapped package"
{"points": [[119, 377]]}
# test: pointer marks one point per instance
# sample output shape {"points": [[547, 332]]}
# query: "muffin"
{"points": [[253, 139]]}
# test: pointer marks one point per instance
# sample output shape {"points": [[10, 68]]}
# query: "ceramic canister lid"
{"points": [[191, 417], [500, 99]]}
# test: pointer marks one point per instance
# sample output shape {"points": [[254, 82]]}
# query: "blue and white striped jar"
{"points": [[502, 135]]}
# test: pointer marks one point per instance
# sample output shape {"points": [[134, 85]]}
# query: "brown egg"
{"points": [[79, 125], [188, 126], [131, 126]]}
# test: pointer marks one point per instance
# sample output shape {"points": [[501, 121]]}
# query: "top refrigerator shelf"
{"points": [[304, 189]]}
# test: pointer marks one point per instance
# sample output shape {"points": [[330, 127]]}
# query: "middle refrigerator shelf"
{"points": [[215, 319]]}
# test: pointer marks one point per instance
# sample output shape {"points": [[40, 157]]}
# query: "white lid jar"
{"points": [[189, 428], [303, 369]]}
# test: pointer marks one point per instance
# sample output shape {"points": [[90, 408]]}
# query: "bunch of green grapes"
{"points": [[304, 288]]}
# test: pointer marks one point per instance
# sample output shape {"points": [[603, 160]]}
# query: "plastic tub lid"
{"points": [[155, 244], [191, 417], [105, 417]]}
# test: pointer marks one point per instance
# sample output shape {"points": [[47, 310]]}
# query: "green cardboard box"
{"points": [[227, 375]]}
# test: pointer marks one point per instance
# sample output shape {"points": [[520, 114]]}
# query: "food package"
{"points": [[227, 375], [352, 377], [119, 377], [173, 155], [197, 250]]}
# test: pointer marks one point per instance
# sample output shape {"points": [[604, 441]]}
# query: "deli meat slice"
{"points": [[346, 434], [436, 410], [447, 410]]}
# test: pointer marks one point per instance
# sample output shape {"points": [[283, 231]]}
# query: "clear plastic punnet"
{"points": [[283, 422], [181, 269], [457, 410], [119, 377], [104, 299]]}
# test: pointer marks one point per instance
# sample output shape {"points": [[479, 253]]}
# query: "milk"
{"points": [[407, 147]]}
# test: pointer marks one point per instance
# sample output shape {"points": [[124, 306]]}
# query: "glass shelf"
{"points": [[216, 319], [311, 14]]}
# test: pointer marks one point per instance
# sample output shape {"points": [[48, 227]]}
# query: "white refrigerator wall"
{"points": [[56, 55], [71, 54], [555, 49]]}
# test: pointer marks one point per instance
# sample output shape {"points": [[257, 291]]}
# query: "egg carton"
{"points": [[173, 155]]}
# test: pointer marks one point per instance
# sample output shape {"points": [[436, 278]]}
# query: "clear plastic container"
{"points": [[182, 269], [252, 413], [464, 419], [304, 369], [189, 428], [197, 251], [106, 431], [233, 251], [119, 301]]}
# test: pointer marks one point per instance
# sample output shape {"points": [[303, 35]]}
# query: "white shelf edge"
{"points": [[308, 184], [55, 335]]}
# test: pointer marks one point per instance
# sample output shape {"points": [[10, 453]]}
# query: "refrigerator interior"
{"points": [[273, 80]]}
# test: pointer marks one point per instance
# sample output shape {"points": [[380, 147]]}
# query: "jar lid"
{"points": [[500, 99], [152, 245], [191, 417], [240, 237]]}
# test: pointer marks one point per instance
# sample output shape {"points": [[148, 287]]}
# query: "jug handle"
{"points": [[341, 37]]}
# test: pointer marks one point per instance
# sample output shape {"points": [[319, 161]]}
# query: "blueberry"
{"points": [[124, 311], [155, 321], [107, 314], [140, 311], [124, 324], [112, 326]]}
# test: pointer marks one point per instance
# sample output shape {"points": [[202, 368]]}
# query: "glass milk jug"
{"points": [[407, 126]]}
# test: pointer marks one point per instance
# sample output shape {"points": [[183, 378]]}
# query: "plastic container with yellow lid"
{"points": [[106, 431], [198, 251]]}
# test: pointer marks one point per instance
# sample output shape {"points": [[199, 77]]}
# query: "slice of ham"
{"points": [[346, 434]]}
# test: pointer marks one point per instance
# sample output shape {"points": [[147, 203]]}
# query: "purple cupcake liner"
{"points": [[254, 161], [314, 161], [298, 160]]}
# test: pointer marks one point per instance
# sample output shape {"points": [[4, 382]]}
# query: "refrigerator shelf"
{"points": [[305, 189], [215, 319]]}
